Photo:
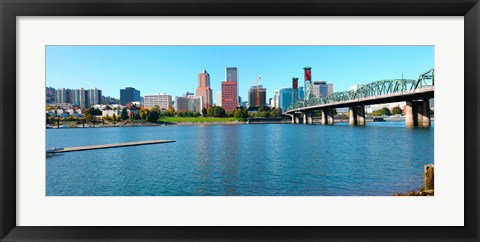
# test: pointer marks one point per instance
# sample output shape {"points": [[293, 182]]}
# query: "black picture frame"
{"points": [[10, 9]]}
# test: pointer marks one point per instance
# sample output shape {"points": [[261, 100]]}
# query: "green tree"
{"points": [[276, 113], [170, 112], [143, 113], [124, 114], [396, 110], [97, 112], [153, 116], [386, 111], [262, 114], [240, 114], [155, 108], [204, 112], [216, 111], [230, 113], [89, 117]]}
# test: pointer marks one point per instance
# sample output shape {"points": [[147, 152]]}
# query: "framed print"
{"points": [[224, 120]]}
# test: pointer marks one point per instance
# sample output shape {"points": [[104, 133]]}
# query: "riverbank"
{"points": [[142, 123], [420, 192], [428, 183]]}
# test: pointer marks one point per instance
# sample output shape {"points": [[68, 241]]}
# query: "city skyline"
{"points": [[153, 69]]}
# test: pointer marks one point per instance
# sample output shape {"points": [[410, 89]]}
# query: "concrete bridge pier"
{"points": [[356, 116], [426, 113], [361, 115], [297, 118], [327, 116], [417, 113], [310, 118], [352, 116], [293, 118]]}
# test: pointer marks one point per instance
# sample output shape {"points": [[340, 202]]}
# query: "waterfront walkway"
{"points": [[106, 146]]}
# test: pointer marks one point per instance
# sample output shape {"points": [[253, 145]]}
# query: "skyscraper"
{"points": [[285, 97], [257, 96], [80, 98], [330, 89], [320, 89], [276, 97], [94, 97], [229, 95], [204, 89], [219, 99], [128, 95], [231, 74], [63, 96]]}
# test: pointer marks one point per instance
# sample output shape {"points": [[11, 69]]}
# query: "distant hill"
{"points": [[50, 94], [110, 100]]}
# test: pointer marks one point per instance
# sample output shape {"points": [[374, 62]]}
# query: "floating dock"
{"points": [[106, 146]]}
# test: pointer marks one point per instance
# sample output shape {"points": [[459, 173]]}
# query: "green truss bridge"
{"points": [[416, 93]]}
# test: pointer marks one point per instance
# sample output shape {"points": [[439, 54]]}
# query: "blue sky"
{"points": [[174, 69]]}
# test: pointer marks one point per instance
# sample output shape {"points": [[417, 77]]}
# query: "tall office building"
{"points": [[286, 95], [257, 96], [330, 89], [163, 100], [63, 96], [229, 95], [231, 74], [204, 89], [94, 97], [128, 95], [219, 99], [187, 94], [189, 103], [276, 97], [80, 98], [320, 89]]}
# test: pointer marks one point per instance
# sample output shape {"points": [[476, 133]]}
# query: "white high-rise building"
{"points": [[94, 97], [219, 99], [163, 100], [276, 99]]}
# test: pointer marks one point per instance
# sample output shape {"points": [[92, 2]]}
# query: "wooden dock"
{"points": [[106, 146]]}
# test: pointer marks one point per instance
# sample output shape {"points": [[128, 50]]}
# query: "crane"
{"points": [[256, 82]]}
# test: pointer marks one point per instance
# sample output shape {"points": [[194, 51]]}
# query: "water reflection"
{"points": [[307, 160]]}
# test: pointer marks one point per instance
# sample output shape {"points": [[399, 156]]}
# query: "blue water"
{"points": [[242, 160]]}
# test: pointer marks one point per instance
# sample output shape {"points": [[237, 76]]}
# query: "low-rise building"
{"points": [[189, 103], [163, 100]]}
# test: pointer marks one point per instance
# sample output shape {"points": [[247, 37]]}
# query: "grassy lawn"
{"points": [[196, 119]]}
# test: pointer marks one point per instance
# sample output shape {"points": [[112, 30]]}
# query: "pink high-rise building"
{"points": [[204, 89], [229, 95]]}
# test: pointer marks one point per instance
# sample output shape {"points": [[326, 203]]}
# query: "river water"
{"points": [[242, 160]]}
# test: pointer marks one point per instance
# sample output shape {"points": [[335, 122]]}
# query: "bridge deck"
{"points": [[427, 92], [107, 146]]}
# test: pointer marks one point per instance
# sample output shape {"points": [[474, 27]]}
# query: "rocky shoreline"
{"points": [[428, 184]]}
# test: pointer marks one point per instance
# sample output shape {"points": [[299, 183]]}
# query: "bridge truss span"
{"points": [[377, 90], [416, 92]]}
